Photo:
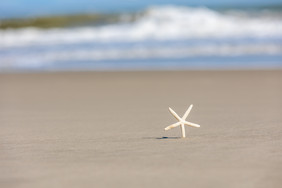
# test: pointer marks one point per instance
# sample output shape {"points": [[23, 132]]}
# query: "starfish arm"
{"points": [[187, 112], [183, 130], [191, 124], [172, 126], [174, 114]]}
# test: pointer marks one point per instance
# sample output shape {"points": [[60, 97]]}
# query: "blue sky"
{"points": [[10, 8]]}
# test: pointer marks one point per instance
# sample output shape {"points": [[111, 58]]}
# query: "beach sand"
{"points": [[106, 129]]}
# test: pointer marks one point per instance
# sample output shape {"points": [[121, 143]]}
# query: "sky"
{"points": [[17, 8]]}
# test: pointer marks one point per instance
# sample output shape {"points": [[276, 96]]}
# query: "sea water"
{"points": [[166, 37]]}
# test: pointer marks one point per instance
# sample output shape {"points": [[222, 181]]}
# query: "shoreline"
{"points": [[117, 71]]}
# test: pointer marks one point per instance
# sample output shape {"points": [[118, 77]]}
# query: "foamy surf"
{"points": [[158, 33]]}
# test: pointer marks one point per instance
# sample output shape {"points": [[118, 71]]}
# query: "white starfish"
{"points": [[182, 121]]}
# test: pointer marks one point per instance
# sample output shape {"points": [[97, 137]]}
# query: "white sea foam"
{"points": [[35, 59], [156, 23]]}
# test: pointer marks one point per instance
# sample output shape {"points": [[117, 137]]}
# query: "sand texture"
{"points": [[107, 129]]}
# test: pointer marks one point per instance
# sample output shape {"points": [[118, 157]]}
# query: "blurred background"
{"points": [[64, 35]]}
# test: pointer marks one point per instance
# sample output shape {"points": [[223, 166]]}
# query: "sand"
{"points": [[95, 129]]}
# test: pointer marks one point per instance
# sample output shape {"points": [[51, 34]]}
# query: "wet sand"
{"points": [[94, 129]]}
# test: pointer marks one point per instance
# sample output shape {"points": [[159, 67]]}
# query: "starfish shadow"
{"points": [[162, 138], [171, 137]]}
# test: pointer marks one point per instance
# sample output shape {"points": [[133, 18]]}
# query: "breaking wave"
{"points": [[158, 32], [158, 23]]}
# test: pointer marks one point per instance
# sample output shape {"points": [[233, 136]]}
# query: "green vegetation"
{"points": [[59, 21]]}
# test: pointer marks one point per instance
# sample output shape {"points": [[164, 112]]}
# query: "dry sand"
{"points": [[106, 129]]}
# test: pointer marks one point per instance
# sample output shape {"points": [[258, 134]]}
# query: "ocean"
{"points": [[163, 37]]}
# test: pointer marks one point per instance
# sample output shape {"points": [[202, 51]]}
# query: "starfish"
{"points": [[182, 121]]}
